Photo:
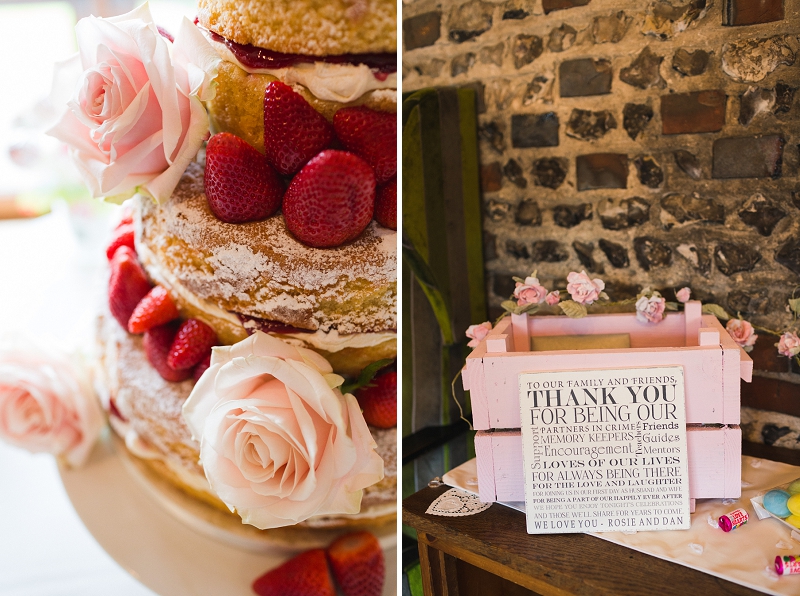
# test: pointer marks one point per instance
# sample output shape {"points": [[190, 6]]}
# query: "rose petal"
{"points": [[161, 187], [197, 406], [201, 60], [368, 462]]}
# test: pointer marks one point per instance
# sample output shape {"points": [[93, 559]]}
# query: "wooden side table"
{"points": [[490, 553]]}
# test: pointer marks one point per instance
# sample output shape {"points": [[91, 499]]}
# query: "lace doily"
{"points": [[457, 503]]}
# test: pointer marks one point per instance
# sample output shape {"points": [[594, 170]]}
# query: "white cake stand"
{"points": [[172, 544]]}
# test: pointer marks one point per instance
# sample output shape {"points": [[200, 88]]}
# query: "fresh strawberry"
{"points": [[127, 285], [114, 411], [240, 184], [157, 343], [123, 236], [305, 575], [201, 367], [331, 200], [372, 136], [156, 308], [378, 400], [357, 563], [294, 132], [386, 204], [192, 342]]}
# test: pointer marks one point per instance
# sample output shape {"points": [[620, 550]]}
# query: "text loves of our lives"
{"points": [[605, 450]]}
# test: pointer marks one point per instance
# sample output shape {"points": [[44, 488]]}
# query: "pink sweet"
{"points": [[683, 295]]}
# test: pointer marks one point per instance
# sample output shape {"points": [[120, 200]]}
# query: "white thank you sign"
{"points": [[605, 450]]}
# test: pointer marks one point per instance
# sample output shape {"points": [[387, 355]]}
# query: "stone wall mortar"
{"points": [[762, 291]]}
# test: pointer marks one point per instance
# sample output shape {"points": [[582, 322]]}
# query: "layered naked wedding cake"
{"points": [[247, 352]]}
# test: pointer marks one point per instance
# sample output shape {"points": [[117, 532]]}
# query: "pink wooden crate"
{"points": [[713, 366]]}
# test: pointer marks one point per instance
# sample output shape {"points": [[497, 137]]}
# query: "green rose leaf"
{"points": [[509, 306], [527, 308], [716, 310], [794, 304], [366, 376], [572, 309]]}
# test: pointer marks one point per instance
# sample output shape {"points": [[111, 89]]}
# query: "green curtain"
{"points": [[443, 274]]}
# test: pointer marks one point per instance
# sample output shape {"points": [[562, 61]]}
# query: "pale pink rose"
{"points": [[47, 403], [553, 298], [742, 333], [650, 310], [279, 443], [477, 333], [582, 289], [683, 295], [136, 118], [788, 345], [530, 292]]}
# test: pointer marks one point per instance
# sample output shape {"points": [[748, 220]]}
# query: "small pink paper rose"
{"points": [[582, 289], [48, 404], [683, 295], [650, 310], [742, 333], [136, 118], [477, 333], [530, 292], [553, 298], [789, 344], [279, 443]]}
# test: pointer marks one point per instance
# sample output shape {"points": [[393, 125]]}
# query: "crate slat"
{"points": [[715, 457]]}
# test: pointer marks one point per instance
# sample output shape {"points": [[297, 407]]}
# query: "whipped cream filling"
{"points": [[330, 341], [342, 83]]}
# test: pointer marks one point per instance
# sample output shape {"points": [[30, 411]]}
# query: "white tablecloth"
{"points": [[48, 287]]}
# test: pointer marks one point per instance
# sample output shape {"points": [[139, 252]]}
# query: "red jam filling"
{"points": [[253, 324], [254, 57]]}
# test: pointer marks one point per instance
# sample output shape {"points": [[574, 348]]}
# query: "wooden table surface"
{"points": [[554, 564]]}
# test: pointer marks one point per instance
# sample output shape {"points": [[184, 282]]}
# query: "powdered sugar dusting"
{"points": [[259, 269], [151, 405]]}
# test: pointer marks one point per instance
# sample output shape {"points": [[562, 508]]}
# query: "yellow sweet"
{"points": [[794, 504], [794, 520], [794, 487]]}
